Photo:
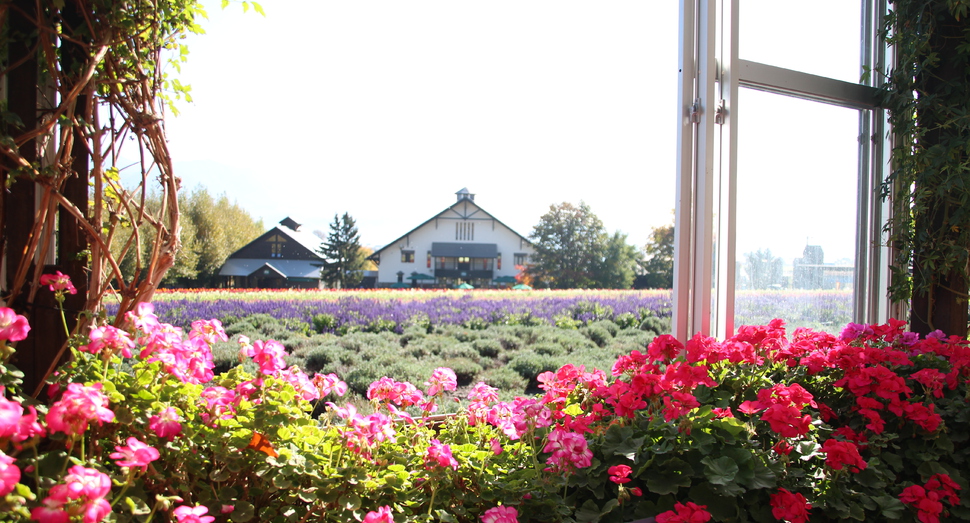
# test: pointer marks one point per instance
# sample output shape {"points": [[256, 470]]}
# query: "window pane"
{"points": [[797, 208], [821, 37]]}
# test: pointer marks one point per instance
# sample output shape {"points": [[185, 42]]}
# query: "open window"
{"points": [[781, 151]]}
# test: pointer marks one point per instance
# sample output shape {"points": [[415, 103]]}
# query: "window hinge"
{"points": [[695, 111], [719, 112]]}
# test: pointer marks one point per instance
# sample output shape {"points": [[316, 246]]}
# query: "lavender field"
{"points": [[409, 307], [826, 310]]}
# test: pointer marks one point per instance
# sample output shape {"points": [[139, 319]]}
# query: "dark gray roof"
{"points": [[471, 250], [288, 268]]}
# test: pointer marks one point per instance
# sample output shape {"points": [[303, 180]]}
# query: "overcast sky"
{"points": [[385, 108]]}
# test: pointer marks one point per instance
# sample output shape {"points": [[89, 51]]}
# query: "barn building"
{"points": [[462, 244], [282, 258]]}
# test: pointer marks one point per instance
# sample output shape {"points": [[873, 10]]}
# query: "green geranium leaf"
{"points": [[720, 471], [929, 468], [893, 460], [668, 477], [219, 474], [145, 395], [350, 501], [619, 441], [137, 506], [573, 409], [721, 507], [588, 513], [243, 511]]}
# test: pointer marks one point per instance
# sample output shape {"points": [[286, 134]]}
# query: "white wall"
{"points": [[442, 229]]}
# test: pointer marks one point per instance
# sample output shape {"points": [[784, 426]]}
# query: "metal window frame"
{"points": [[706, 192]]}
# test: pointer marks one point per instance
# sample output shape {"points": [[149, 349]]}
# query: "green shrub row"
{"points": [[506, 356]]}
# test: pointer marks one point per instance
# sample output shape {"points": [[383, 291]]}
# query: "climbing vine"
{"points": [[927, 95]]}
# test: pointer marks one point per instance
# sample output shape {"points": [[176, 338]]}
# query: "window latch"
{"points": [[719, 112], [695, 111]]}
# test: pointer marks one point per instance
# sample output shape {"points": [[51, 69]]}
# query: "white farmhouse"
{"points": [[462, 244]]}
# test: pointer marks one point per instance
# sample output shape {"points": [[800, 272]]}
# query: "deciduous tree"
{"points": [[659, 265], [570, 243], [618, 267], [763, 269]]}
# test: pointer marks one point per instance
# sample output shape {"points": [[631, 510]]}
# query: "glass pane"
{"points": [[797, 208], [821, 37]]}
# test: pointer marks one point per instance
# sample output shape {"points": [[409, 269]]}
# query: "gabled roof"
{"points": [[450, 207], [306, 240], [286, 268]]}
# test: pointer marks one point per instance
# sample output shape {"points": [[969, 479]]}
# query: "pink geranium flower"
{"points": [[9, 474], [13, 327], [841, 454], [49, 511], [501, 514], [268, 355], [442, 379], [197, 514], [689, 513], [209, 330], [135, 455], [789, 506], [569, 449], [381, 515], [329, 383], [58, 282], [80, 405], [116, 341], [439, 455], [166, 424], [619, 474]]}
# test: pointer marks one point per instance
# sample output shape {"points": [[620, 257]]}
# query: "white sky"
{"points": [[385, 108]]}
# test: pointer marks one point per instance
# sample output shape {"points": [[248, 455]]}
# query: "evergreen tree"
{"points": [[344, 261]]}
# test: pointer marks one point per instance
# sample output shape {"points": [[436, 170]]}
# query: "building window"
{"points": [[407, 256], [429, 259], [521, 258], [465, 231], [276, 243], [498, 261]]}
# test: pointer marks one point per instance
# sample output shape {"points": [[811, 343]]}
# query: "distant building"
{"points": [[461, 244], [282, 258], [811, 272]]}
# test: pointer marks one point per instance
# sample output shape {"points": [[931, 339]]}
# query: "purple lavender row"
{"points": [[443, 310]]}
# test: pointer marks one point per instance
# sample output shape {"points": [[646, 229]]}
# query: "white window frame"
{"points": [[706, 193]]}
